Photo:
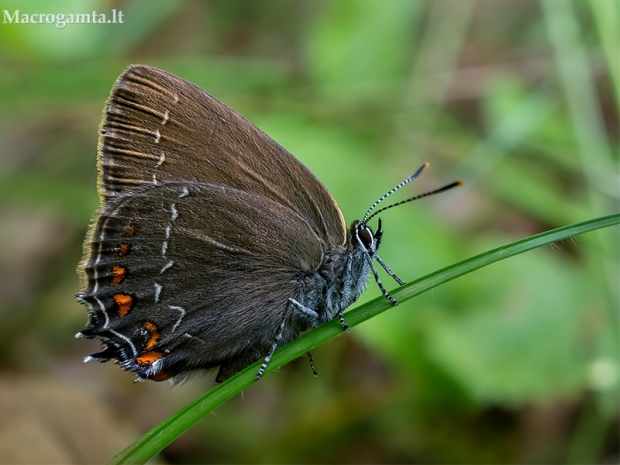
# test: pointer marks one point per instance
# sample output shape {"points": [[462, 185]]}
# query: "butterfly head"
{"points": [[364, 235]]}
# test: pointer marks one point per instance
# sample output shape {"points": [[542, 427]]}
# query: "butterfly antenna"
{"points": [[425, 194], [367, 216]]}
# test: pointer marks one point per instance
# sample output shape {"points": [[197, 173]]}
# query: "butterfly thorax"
{"points": [[344, 273]]}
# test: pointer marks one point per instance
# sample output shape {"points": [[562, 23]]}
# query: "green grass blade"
{"points": [[167, 431]]}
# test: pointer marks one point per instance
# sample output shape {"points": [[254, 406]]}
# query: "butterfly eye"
{"points": [[365, 235]]}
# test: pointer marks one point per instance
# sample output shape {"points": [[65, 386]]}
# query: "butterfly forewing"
{"points": [[158, 127]]}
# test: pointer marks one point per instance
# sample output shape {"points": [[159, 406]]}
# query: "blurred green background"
{"points": [[516, 363]]}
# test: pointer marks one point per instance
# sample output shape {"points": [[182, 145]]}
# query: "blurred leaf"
{"points": [[64, 199], [141, 18], [607, 19], [528, 345], [351, 46]]}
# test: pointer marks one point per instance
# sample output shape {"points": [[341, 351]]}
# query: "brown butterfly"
{"points": [[213, 246]]}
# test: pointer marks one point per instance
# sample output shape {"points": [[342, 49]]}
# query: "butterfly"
{"points": [[213, 245]]}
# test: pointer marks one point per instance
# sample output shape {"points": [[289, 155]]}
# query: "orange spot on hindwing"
{"points": [[119, 273], [153, 334], [123, 249], [124, 304], [148, 358], [130, 231]]}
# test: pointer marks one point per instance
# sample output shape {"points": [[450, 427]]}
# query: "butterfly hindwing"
{"points": [[166, 277]]}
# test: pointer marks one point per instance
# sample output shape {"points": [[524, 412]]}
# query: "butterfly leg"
{"points": [[388, 270], [263, 367], [369, 258], [311, 361], [379, 283], [314, 316], [311, 314], [343, 323]]}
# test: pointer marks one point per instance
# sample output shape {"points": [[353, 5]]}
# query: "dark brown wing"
{"points": [[158, 127], [183, 276]]}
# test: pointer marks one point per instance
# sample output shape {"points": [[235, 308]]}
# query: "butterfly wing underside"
{"points": [[169, 281], [158, 127], [207, 228]]}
